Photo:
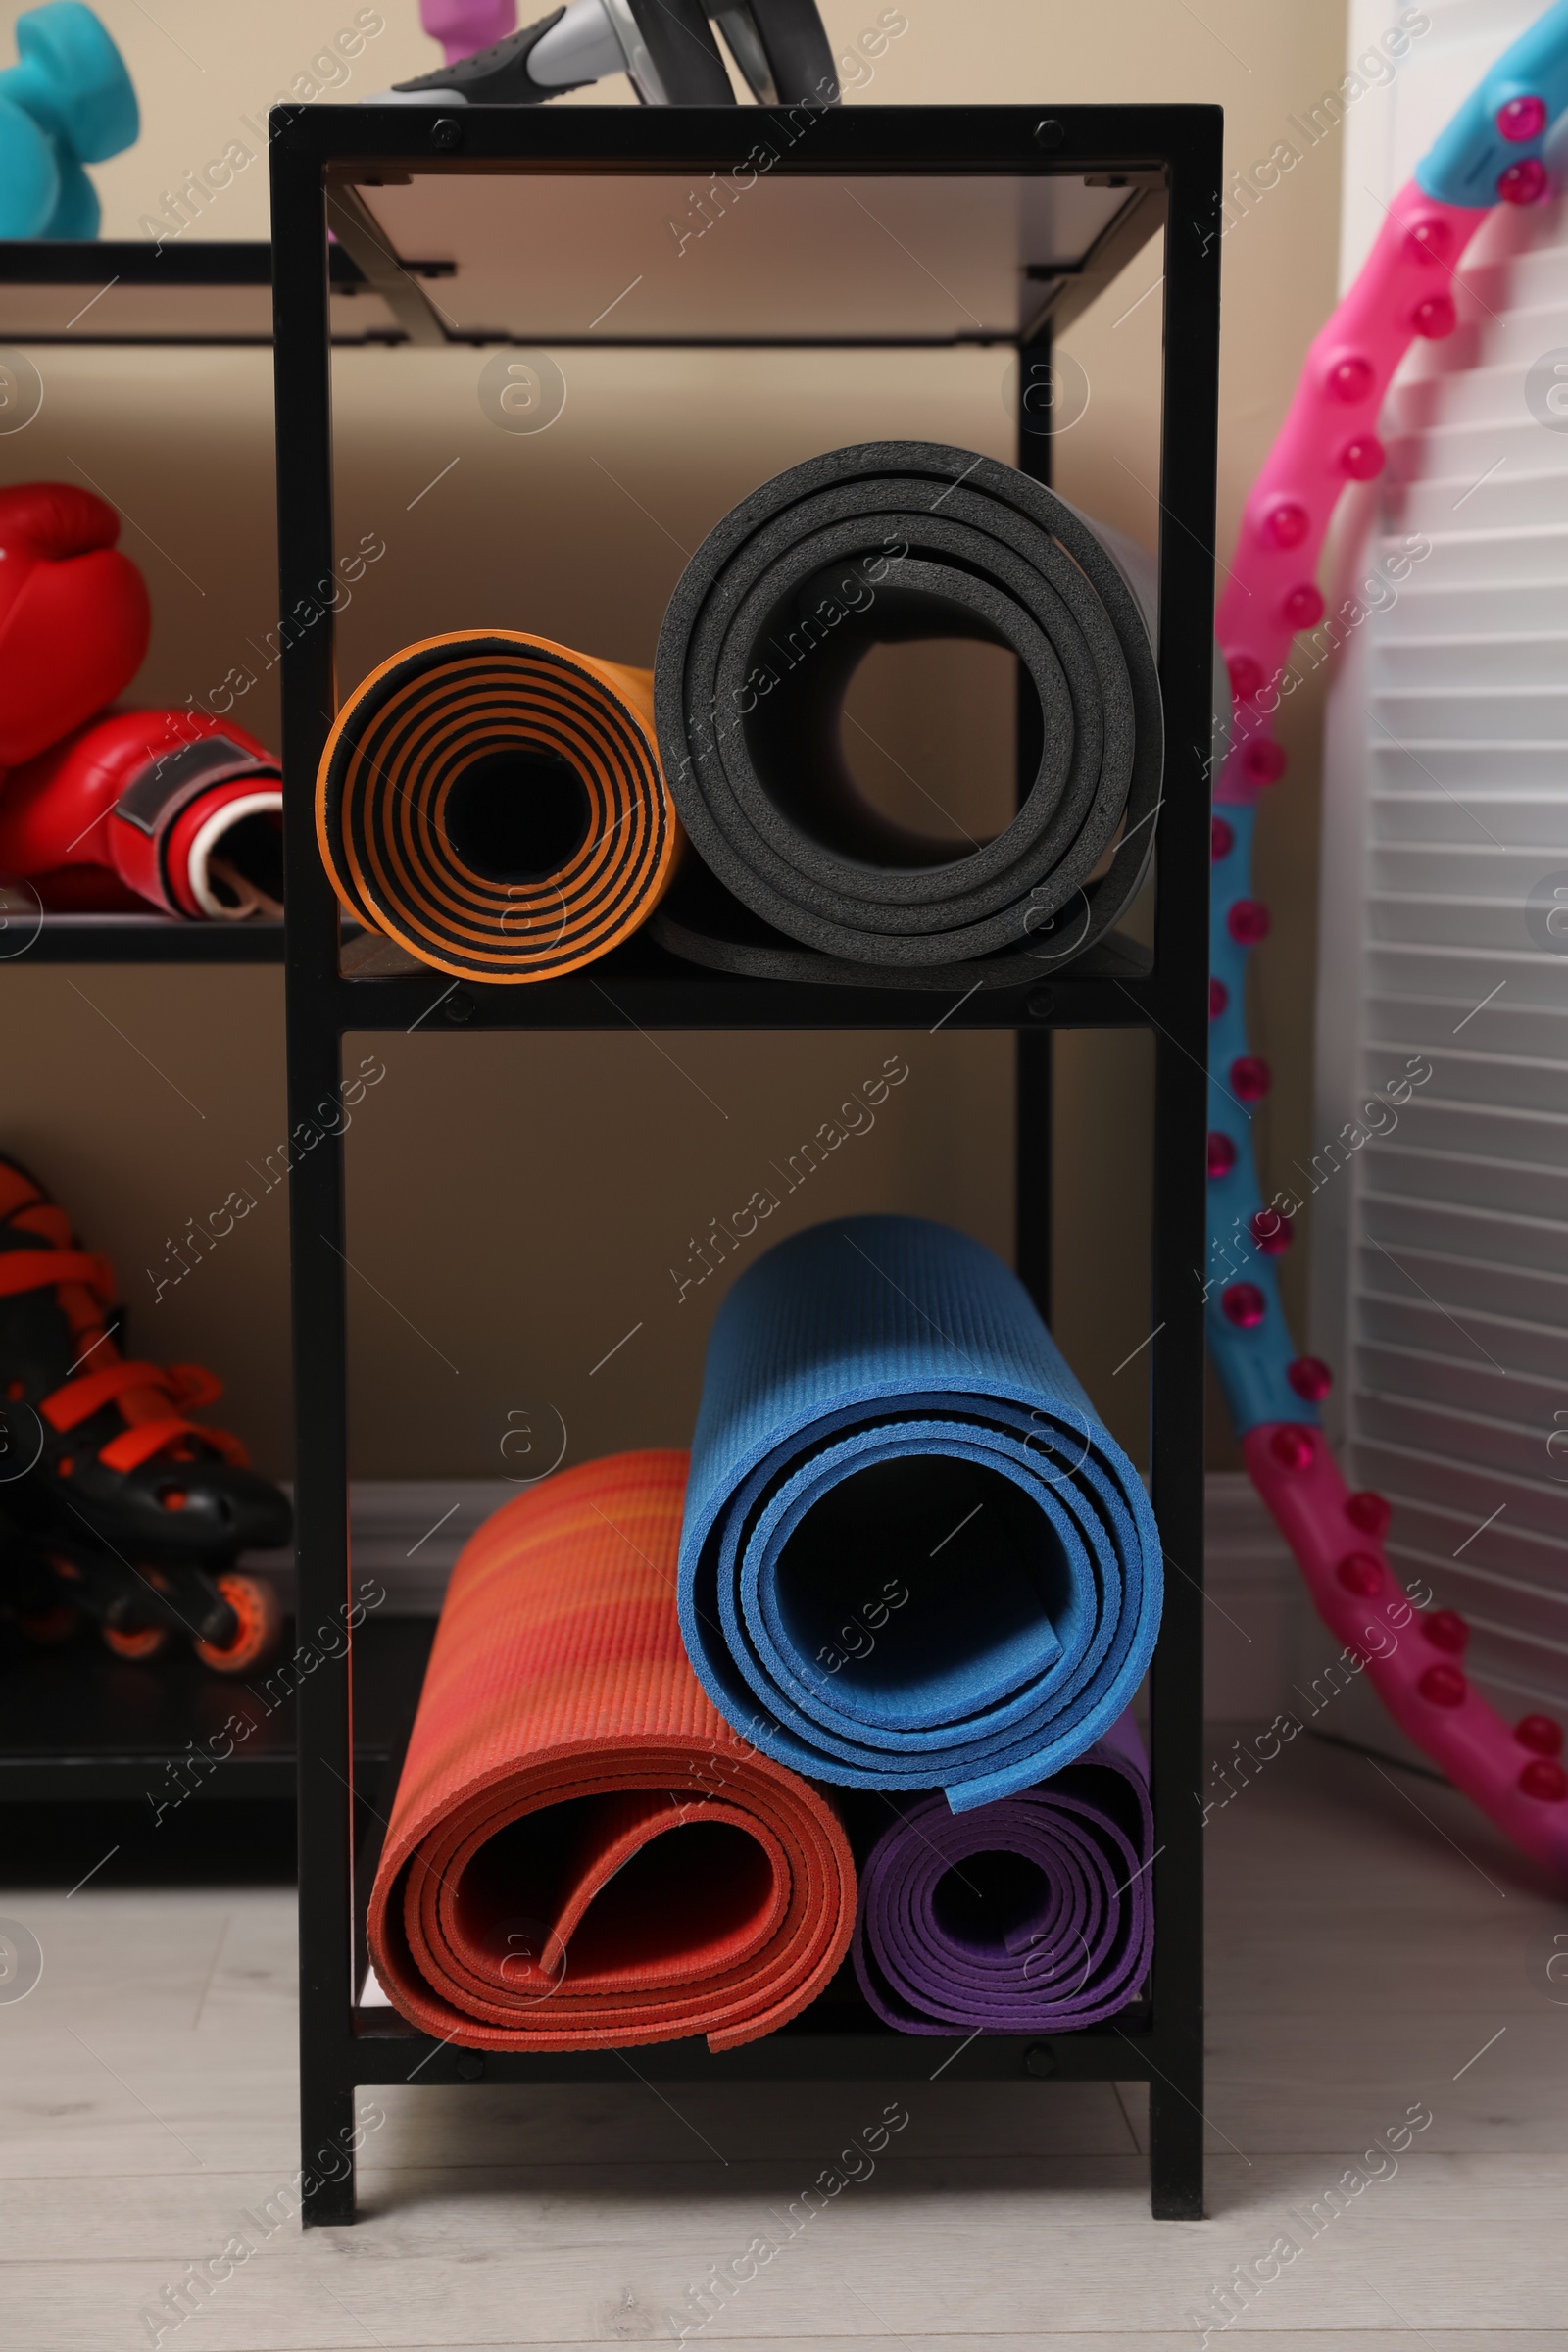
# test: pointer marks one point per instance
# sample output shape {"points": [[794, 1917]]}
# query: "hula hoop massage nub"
{"points": [[1491, 153], [494, 803]]}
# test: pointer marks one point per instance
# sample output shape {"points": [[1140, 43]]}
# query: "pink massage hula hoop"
{"points": [[1491, 153]]}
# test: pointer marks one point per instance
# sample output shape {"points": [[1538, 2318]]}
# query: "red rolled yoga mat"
{"points": [[582, 1852]]}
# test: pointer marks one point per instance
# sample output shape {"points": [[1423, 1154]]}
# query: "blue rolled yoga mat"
{"points": [[912, 1556]]}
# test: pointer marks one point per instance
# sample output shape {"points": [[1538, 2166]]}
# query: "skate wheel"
{"points": [[50, 1627], [261, 1621], [135, 1641]]}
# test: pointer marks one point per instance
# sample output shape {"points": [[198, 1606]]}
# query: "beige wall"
{"points": [[518, 1203]]}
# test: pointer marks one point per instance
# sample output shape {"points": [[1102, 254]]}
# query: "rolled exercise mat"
{"points": [[581, 1852], [1026, 1916], [890, 541], [494, 803], [912, 1556]]}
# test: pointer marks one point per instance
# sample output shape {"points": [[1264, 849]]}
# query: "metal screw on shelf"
{"points": [[1048, 134], [1039, 2060], [470, 2065], [460, 1006], [444, 133], [1041, 1003]]}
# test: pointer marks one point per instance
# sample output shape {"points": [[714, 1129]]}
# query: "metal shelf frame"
{"points": [[146, 293], [28, 939], [79, 1727], [1170, 157]]}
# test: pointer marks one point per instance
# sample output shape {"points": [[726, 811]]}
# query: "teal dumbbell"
{"points": [[65, 103]]}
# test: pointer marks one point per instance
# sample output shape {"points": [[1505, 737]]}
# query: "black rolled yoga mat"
{"points": [[897, 541]]}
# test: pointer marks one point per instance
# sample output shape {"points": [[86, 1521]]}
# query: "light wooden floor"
{"points": [[1360, 1962]]}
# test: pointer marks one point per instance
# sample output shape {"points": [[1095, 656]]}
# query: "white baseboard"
{"points": [[407, 1534], [1251, 1586], [1285, 1668], [1265, 1653]]}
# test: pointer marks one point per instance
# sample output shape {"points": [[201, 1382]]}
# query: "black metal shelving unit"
{"points": [[549, 212], [75, 1725]]}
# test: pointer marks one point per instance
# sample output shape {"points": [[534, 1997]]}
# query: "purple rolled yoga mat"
{"points": [[1032, 1913]]}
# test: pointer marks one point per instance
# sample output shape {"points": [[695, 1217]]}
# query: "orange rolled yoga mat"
{"points": [[581, 1852], [494, 802]]}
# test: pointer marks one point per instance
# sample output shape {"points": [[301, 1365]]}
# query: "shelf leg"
{"points": [[1033, 1227], [1175, 2155], [1176, 1698], [302, 355], [1033, 1047], [326, 2156]]}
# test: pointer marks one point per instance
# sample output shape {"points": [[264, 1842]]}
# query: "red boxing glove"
{"points": [[186, 812], [74, 614]]}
